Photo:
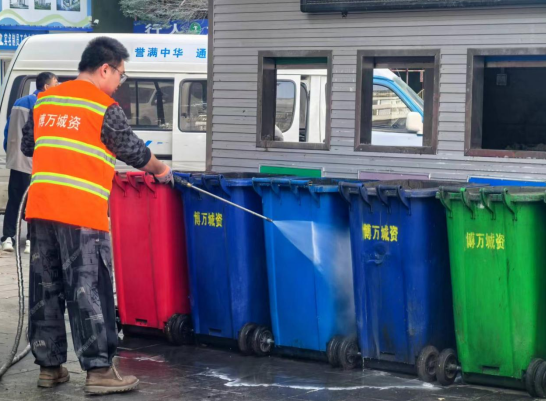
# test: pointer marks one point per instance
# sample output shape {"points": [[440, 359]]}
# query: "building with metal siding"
{"points": [[243, 28]]}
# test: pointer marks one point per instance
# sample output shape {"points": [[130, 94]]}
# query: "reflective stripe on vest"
{"points": [[69, 181], [71, 102], [76, 146]]}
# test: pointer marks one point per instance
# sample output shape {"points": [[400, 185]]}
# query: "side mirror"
{"points": [[414, 122]]}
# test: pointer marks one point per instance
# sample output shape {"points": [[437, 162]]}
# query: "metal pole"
{"points": [[187, 184]]}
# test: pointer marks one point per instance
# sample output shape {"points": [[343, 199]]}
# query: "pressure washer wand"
{"points": [[185, 183]]}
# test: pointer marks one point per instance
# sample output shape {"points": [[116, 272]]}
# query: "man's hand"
{"points": [[166, 177]]}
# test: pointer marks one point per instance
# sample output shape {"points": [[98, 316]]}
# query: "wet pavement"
{"points": [[207, 373]]}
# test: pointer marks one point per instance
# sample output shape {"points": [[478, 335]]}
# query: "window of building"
{"points": [[193, 106], [147, 103], [505, 101], [395, 101], [294, 99]]}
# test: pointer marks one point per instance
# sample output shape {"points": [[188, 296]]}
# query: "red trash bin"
{"points": [[150, 263]]}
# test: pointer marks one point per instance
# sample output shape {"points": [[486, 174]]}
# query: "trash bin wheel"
{"points": [[244, 339], [332, 351], [168, 330], [539, 380], [447, 367], [118, 321], [530, 376], [262, 341], [349, 354], [426, 364], [179, 330]]}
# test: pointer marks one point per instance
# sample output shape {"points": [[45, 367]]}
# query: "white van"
{"points": [[164, 98]]}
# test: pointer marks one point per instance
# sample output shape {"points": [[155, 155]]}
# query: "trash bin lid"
{"points": [[232, 179], [315, 185], [494, 194]]}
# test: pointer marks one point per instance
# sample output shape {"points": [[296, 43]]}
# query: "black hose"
{"points": [[13, 357]]}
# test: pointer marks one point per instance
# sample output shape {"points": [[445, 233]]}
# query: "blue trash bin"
{"points": [[308, 263], [226, 261], [401, 276]]}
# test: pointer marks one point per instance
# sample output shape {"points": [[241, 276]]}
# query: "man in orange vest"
{"points": [[75, 134]]}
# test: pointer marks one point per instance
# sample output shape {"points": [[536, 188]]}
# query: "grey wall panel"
{"points": [[244, 27]]}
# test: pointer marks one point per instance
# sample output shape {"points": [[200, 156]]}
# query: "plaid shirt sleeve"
{"points": [[119, 138], [27, 141]]}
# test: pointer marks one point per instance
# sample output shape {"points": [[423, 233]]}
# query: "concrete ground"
{"points": [[207, 373]]}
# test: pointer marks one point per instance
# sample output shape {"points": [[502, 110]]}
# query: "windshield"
{"points": [[411, 93]]}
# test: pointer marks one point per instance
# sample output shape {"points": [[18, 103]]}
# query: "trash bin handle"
{"points": [[381, 189], [344, 187], [256, 184], [467, 202], [400, 192], [205, 178], [221, 180], [507, 200], [294, 187], [487, 203], [443, 193], [366, 197], [149, 181], [131, 179], [276, 185], [119, 182], [186, 176]]}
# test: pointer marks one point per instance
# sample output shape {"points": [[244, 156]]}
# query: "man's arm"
{"points": [[6, 132], [27, 142], [120, 139]]}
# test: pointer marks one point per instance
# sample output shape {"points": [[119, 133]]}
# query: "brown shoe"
{"points": [[50, 377], [107, 381]]}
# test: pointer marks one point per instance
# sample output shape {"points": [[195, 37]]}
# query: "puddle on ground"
{"points": [[368, 380]]}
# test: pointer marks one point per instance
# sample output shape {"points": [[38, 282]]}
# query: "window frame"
{"points": [[159, 80], [264, 64], [179, 115], [474, 100], [364, 85]]}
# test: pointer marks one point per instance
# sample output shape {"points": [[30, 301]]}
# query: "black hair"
{"points": [[102, 50], [43, 79]]}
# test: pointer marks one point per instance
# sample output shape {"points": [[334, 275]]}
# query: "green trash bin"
{"points": [[497, 244]]}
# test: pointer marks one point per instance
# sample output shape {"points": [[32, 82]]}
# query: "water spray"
{"points": [[184, 183]]}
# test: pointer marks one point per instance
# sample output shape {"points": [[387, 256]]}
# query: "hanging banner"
{"points": [[50, 14], [321, 6], [11, 39], [196, 27]]}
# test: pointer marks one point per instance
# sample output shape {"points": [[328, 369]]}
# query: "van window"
{"points": [[25, 85], [286, 102], [304, 105], [147, 103], [389, 112], [29, 87], [193, 106]]}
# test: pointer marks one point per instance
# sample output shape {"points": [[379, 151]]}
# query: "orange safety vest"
{"points": [[72, 169]]}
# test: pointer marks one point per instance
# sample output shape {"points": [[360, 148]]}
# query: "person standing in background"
{"points": [[16, 161]]}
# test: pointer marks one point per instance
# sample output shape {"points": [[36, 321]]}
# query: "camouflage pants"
{"points": [[71, 266]]}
